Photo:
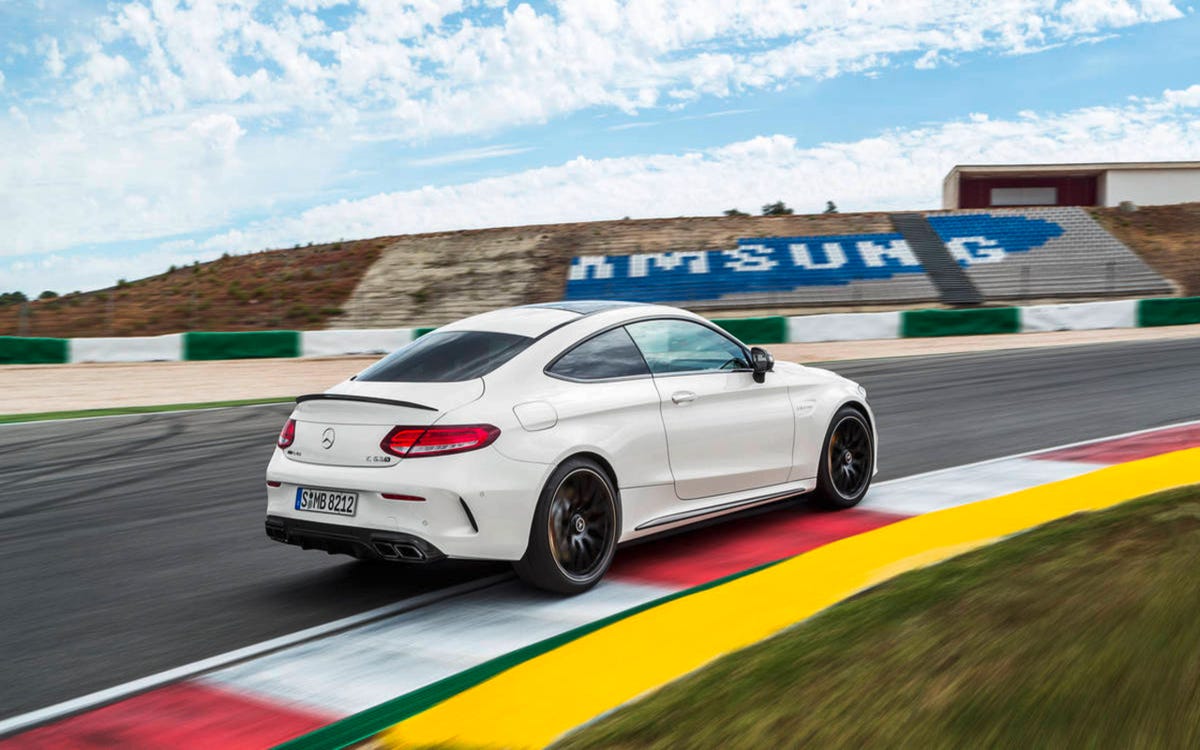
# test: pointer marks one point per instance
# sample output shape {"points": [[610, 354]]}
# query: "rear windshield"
{"points": [[446, 357]]}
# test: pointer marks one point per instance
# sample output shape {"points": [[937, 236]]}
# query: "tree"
{"points": [[778, 208], [12, 298], [735, 212], [830, 207], [47, 295]]}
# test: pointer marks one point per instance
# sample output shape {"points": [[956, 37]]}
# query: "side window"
{"points": [[682, 346], [609, 355]]}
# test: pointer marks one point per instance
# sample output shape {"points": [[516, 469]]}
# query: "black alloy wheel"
{"points": [[575, 529], [581, 523], [847, 460]]}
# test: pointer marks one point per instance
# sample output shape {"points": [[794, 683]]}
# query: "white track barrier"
{"points": [[844, 327], [166, 348], [353, 341], [1080, 317]]}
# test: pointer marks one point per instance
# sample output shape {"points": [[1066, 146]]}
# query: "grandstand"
{"points": [[1034, 253], [960, 257], [1041, 245], [834, 261]]}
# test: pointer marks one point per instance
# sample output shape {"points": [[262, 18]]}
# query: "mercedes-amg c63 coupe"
{"points": [[548, 434]]}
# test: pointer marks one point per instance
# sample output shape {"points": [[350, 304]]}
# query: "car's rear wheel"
{"points": [[575, 529], [847, 460]]}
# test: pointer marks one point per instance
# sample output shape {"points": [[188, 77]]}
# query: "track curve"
{"points": [[131, 545]]}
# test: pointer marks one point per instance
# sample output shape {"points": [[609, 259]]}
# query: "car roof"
{"points": [[586, 306], [535, 320]]}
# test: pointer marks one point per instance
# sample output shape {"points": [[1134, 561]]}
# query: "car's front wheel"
{"points": [[847, 460], [575, 529]]}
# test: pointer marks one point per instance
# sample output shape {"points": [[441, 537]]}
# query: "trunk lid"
{"points": [[345, 425]]}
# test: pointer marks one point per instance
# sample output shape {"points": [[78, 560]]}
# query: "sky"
{"points": [[139, 135]]}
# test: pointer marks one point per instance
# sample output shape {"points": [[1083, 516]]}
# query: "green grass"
{"points": [[1082, 633], [46, 415]]}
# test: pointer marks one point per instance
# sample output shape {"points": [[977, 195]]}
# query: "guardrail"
{"points": [[775, 329]]}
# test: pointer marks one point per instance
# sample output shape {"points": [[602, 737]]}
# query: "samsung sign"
{"points": [[780, 264]]}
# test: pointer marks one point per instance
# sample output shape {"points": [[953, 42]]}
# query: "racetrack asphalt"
{"points": [[131, 545]]}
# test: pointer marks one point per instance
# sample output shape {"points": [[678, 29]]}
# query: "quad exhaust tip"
{"points": [[399, 551]]}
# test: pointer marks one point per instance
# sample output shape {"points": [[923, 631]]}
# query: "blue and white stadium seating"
{"points": [[1007, 254]]}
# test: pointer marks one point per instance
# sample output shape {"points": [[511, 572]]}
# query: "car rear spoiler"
{"points": [[364, 399]]}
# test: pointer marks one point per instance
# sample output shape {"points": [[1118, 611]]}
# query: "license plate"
{"points": [[335, 502]]}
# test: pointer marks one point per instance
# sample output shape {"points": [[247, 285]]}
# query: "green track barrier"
{"points": [[240, 345], [923, 323], [1168, 311], [27, 350], [770, 330]]}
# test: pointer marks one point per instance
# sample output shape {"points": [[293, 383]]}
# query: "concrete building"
{"points": [[1142, 183]]}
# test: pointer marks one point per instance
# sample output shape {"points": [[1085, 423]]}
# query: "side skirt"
{"points": [[719, 508]]}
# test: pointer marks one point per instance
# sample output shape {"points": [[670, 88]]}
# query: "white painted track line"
{"points": [[282, 401], [117, 692]]}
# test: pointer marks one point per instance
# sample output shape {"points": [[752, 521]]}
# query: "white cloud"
{"points": [[161, 177], [471, 154], [55, 65], [899, 169], [1189, 97], [440, 67], [177, 117], [219, 133]]}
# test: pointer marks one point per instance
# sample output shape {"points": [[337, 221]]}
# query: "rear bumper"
{"points": [[477, 505], [365, 544]]}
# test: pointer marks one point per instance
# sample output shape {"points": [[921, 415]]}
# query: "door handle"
{"points": [[683, 397]]}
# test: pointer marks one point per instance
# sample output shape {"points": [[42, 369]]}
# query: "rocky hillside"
{"points": [[1167, 238]]}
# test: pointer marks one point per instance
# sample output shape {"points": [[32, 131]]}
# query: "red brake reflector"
{"points": [[273, 483], [411, 498], [416, 442], [287, 435]]}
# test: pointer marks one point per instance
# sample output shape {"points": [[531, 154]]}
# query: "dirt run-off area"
{"points": [[31, 389]]}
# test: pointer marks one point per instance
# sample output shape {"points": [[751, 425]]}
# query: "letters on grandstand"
{"points": [[782, 264]]}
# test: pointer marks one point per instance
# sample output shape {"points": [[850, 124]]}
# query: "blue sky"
{"points": [[144, 134]]}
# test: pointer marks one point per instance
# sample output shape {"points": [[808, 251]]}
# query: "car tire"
{"points": [[574, 532], [847, 460]]}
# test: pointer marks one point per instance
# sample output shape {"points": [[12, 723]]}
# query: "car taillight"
{"points": [[418, 442], [287, 435]]}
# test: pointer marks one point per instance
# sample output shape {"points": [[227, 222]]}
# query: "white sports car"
{"points": [[547, 434]]}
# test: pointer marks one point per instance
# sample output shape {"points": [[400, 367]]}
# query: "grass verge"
{"points": [[120, 410], [1081, 633]]}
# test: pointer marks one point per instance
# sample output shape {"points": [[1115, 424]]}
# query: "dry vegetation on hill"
{"points": [[297, 288], [1167, 238]]}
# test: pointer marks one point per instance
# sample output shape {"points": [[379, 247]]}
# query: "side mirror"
{"points": [[762, 361]]}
